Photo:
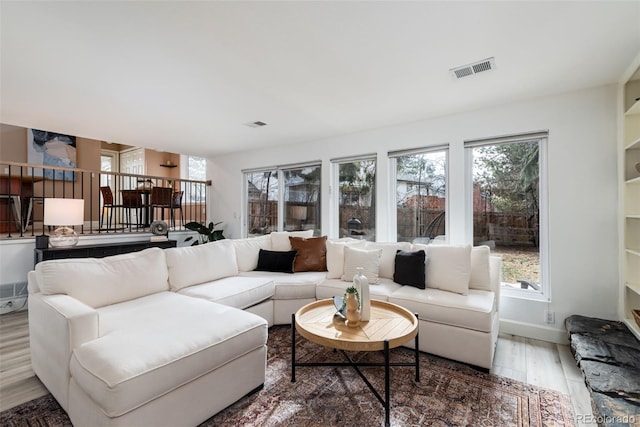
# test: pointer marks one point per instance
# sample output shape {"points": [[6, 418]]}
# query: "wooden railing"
{"points": [[24, 187]]}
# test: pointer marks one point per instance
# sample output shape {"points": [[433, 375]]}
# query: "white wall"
{"points": [[582, 170]]}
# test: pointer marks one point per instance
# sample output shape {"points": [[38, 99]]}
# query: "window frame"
{"points": [[107, 178], [393, 174], [188, 188], [541, 137], [282, 214], [334, 205], [280, 174]]}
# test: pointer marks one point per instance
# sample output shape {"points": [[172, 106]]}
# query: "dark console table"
{"points": [[98, 251]]}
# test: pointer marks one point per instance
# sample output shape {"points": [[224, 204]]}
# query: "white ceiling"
{"points": [[185, 76]]}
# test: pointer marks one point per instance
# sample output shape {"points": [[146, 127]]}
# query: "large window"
{"points": [[508, 201], [421, 195], [357, 198], [302, 198], [197, 171], [196, 168], [283, 199], [262, 202]]}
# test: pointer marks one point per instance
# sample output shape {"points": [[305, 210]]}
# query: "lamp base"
{"points": [[63, 237]]}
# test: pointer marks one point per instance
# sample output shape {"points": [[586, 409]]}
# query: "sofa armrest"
{"points": [[33, 284], [495, 275], [57, 325]]}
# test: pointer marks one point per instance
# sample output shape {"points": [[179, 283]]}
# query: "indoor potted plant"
{"points": [[207, 233]]}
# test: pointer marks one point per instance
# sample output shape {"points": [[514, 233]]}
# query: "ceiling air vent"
{"points": [[475, 68], [255, 124]]}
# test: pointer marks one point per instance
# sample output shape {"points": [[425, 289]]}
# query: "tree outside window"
{"points": [[262, 202]]}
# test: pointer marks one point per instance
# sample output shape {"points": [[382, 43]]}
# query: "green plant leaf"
{"points": [[207, 233], [196, 226]]}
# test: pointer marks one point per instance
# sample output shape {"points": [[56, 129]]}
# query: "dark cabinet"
{"points": [[98, 251]]}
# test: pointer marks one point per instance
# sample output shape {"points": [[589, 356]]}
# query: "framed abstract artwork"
{"points": [[52, 149]]}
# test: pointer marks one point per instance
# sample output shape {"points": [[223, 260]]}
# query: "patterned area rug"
{"points": [[448, 394]]}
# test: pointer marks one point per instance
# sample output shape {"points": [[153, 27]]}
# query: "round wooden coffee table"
{"points": [[389, 326]]}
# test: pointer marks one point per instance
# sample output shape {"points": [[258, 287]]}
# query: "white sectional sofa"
{"points": [[171, 337]]}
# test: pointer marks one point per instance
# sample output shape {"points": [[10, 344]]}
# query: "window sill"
{"points": [[509, 292]]}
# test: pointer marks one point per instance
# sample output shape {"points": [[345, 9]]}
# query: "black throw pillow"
{"points": [[276, 261], [410, 268]]}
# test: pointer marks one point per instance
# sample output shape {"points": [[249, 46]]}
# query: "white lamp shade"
{"points": [[63, 211]]}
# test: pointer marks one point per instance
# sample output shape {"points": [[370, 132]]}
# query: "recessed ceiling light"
{"points": [[256, 124], [475, 68]]}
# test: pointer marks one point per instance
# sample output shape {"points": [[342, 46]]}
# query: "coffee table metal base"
{"points": [[387, 364]]}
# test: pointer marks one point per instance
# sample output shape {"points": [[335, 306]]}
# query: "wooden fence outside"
{"points": [[505, 229]]}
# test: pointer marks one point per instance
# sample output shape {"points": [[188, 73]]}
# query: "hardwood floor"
{"points": [[18, 383], [545, 365], [530, 361]]}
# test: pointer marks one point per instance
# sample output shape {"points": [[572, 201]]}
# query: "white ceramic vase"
{"points": [[361, 283]]}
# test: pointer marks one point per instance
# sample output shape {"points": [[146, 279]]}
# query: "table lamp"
{"points": [[63, 213], [299, 213]]}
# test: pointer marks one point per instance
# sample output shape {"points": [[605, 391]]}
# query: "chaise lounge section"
{"points": [[116, 347]]}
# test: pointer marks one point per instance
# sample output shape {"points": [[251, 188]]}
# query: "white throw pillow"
{"points": [[480, 271], [388, 257], [335, 255], [105, 281], [420, 247], [193, 265], [247, 251], [280, 239], [368, 260], [449, 268]]}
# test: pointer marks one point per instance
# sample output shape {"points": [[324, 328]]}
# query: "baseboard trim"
{"points": [[538, 332]]}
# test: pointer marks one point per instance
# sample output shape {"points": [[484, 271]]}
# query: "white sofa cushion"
{"points": [[291, 286], [480, 268], [247, 251], [369, 261], [104, 281], [193, 265], [155, 344], [335, 255], [388, 256], [236, 291], [475, 310], [280, 239], [420, 247], [332, 287], [449, 268]]}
